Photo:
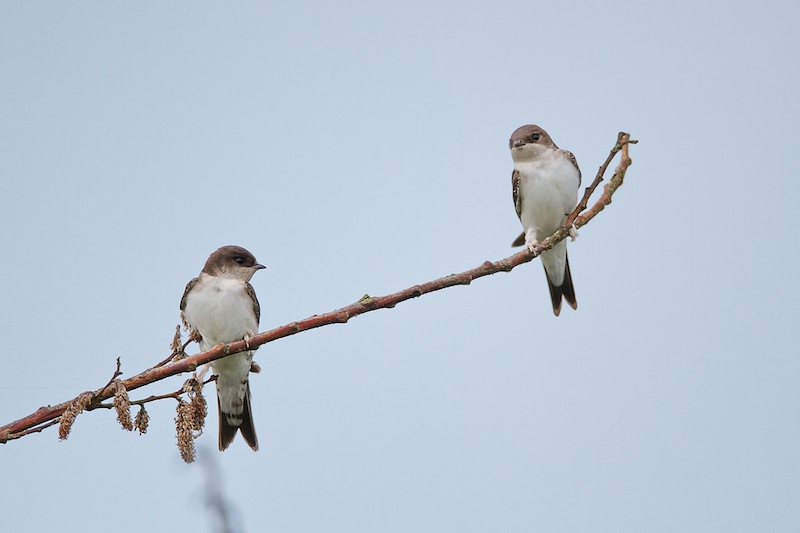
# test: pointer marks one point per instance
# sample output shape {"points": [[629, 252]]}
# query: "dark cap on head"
{"points": [[530, 133], [229, 257]]}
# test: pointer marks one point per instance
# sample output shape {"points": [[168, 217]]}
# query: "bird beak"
{"points": [[258, 266], [519, 143]]}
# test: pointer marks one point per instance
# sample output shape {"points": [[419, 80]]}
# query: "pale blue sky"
{"points": [[362, 148]]}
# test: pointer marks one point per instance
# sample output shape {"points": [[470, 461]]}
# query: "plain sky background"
{"points": [[362, 148]]}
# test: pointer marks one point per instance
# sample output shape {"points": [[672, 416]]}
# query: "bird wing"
{"points": [[256, 306]]}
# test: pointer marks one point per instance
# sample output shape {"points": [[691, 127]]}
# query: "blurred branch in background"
{"points": [[216, 502], [177, 362]]}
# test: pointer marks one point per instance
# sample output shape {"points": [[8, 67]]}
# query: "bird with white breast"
{"points": [[545, 184], [220, 307]]}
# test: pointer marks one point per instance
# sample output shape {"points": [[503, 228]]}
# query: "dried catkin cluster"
{"points": [[197, 404], [176, 343], [190, 418], [122, 404], [184, 431], [74, 408], [142, 421]]}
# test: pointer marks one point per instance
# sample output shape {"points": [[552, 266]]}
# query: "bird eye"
{"points": [[535, 137], [239, 259]]}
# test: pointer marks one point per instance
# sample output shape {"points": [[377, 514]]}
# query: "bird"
{"points": [[220, 307], [545, 183]]}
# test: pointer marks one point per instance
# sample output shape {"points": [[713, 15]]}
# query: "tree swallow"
{"points": [[221, 307], [545, 184]]}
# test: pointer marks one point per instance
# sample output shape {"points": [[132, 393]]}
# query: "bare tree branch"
{"points": [[623, 140], [47, 416]]}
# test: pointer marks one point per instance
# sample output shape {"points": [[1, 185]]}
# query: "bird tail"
{"points": [[229, 424], [565, 290]]}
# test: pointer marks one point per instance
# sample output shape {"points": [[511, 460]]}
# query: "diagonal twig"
{"points": [[623, 140]]}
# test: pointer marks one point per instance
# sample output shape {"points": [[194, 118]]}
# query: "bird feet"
{"points": [[530, 239], [573, 233]]}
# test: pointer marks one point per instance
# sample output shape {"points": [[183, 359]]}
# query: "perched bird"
{"points": [[220, 306], [545, 184]]}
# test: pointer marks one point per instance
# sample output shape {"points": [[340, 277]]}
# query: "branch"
{"points": [[46, 416], [174, 395], [612, 186], [623, 140]]}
